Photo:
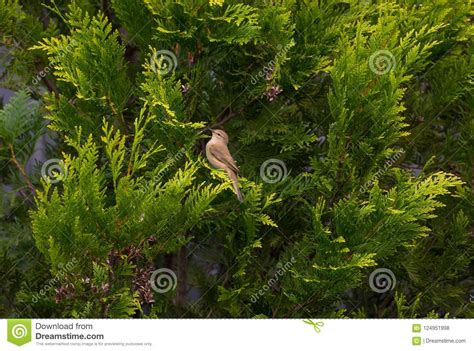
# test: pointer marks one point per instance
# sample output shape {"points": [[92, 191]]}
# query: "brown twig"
{"points": [[107, 10], [228, 117], [21, 169], [51, 85], [182, 276], [118, 114]]}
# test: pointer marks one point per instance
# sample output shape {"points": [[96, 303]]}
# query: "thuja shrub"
{"points": [[350, 121]]}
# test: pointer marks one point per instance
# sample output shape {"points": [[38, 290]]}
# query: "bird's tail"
{"points": [[235, 183]]}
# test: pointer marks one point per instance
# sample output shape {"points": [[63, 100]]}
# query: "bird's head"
{"points": [[219, 134]]}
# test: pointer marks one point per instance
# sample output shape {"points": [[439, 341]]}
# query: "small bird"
{"points": [[219, 157]]}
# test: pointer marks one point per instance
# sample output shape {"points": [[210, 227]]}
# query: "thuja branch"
{"points": [[118, 114], [21, 169]]}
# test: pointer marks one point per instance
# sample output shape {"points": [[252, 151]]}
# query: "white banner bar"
{"points": [[236, 334]]}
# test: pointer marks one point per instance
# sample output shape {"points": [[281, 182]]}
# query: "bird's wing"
{"points": [[222, 154]]}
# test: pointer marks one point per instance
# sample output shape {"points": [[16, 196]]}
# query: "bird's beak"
{"points": [[209, 136]]}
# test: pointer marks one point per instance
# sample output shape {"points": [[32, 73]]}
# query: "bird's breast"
{"points": [[210, 156]]}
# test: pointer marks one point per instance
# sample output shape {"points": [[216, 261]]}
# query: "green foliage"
{"points": [[351, 123], [20, 128], [17, 118], [136, 19], [136, 209], [91, 60], [21, 27]]}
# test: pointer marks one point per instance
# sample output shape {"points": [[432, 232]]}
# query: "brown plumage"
{"points": [[219, 157]]}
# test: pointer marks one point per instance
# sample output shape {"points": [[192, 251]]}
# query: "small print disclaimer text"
{"points": [[75, 334]]}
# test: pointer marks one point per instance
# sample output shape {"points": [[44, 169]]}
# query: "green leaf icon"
{"points": [[19, 331]]}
